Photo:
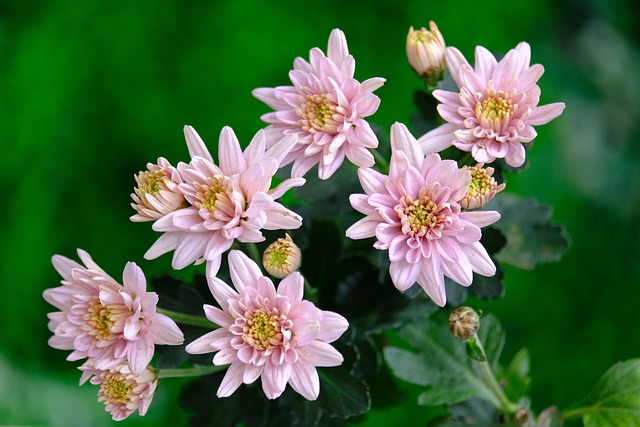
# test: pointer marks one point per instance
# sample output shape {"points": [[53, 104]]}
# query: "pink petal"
{"points": [[221, 292], [195, 144], [231, 158], [318, 353], [292, 287], [432, 281], [480, 260], [485, 63], [332, 326], [133, 279], [480, 218], [244, 272], [438, 139], [401, 139], [455, 61], [274, 379], [231, 381], [167, 242], [267, 96], [217, 316], [165, 331], [282, 147], [190, 247], [305, 381], [139, 354], [64, 265], [337, 50], [404, 274], [203, 344], [545, 113], [363, 229]]}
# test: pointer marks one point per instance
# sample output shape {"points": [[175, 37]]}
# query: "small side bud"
{"points": [[482, 187], [282, 257], [156, 193], [425, 51], [464, 323]]}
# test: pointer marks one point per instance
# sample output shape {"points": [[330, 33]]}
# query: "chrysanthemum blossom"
{"points": [[104, 321], [122, 391], [157, 193], [229, 201], [268, 333], [482, 188], [414, 213], [494, 114], [325, 107]]}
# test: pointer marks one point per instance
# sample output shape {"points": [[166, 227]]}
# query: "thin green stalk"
{"points": [[196, 371], [187, 319], [254, 253], [577, 412], [380, 160], [506, 406]]}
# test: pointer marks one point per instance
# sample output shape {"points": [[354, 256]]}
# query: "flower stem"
{"points": [[506, 406], [380, 160], [187, 319], [575, 413], [196, 371], [254, 253]]}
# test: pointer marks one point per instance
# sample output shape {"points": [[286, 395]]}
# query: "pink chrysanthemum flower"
{"points": [[122, 391], [227, 202], [415, 214], [103, 320], [325, 108], [156, 193], [266, 332], [494, 113]]}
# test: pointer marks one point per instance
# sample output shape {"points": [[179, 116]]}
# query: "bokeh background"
{"points": [[90, 91]]}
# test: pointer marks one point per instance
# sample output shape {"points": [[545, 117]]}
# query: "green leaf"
{"points": [[516, 377], [474, 351], [615, 399], [441, 361], [531, 238], [341, 394]]}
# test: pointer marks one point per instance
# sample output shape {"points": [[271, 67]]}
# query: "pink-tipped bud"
{"points": [[157, 193], [425, 51]]}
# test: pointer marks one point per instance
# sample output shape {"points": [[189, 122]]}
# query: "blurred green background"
{"points": [[90, 91]]}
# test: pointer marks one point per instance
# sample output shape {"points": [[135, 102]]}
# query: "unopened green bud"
{"points": [[464, 323], [282, 257]]}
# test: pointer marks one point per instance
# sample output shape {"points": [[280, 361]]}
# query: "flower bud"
{"points": [[282, 257], [481, 189], [425, 51], [157, 193], [464, 323]]}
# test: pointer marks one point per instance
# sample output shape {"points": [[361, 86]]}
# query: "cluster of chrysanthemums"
{"points": [[423, 212]]}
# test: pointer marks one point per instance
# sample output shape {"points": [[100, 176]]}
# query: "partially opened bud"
{"points": [[425, 51], [282, 257], [481, 189], [157, 193], [464, 323]]}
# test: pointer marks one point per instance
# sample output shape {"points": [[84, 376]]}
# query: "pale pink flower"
{"points": [[494, 113], [122, 391], [156, 193], [325, 107], [266, 332], [229, 201], [103, 320], [415, 214]]}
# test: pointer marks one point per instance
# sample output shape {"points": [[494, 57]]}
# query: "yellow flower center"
{"points": [[99, 318], [419, 216], [480, 183], [151, 182], [316, 114], [262, 330], [494, 108], [210, 194], [116, 389]]}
